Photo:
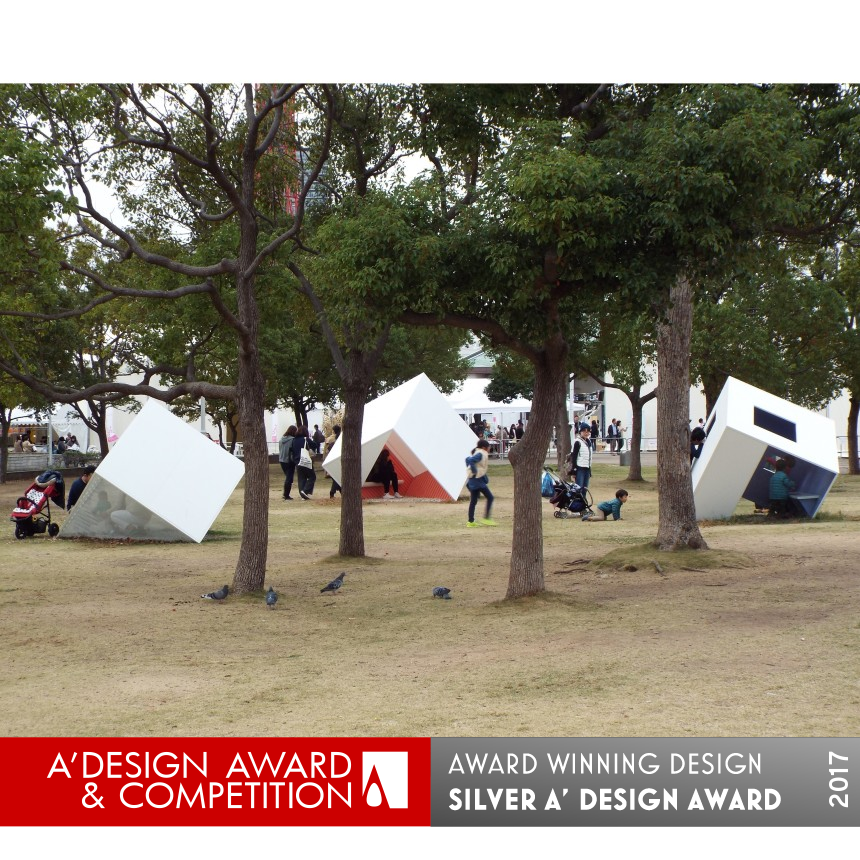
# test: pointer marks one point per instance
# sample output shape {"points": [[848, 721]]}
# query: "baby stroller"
{"points": [[32, 512], [569, 499]]}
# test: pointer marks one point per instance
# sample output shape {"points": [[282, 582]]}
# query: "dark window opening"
{"points": [[780, 426]]}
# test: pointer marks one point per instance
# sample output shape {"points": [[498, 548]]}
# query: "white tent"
{"points": [[163, 480], [427, 440], [749, 427], [471, 398]]}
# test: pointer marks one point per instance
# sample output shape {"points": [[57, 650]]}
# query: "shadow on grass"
{"points": [[765, 520], [352, 561], [538, 602], [646, 557]]}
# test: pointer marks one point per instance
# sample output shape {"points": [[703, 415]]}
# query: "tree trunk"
{"points": [[527, 458], [712, 386], [97, 421], [299, 410], [5, 423], [853, 412], [634, 473], [250, 573], [677, 526], [351, 510], [101, 432]]}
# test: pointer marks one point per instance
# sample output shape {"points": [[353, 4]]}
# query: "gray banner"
{"points": [[593, 782]]}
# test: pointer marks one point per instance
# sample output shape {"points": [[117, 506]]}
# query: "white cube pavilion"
{"points": [[163, 480], [427, 440], [748, 427]]}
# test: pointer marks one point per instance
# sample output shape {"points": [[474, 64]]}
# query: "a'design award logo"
{"points": [[385, 779]]}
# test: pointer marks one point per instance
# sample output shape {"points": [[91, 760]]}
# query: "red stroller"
{"points": [[32, 512]]}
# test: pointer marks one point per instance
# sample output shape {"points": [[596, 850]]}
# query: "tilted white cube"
{"points": [[163, 480], [747, 427], [427, 440]]}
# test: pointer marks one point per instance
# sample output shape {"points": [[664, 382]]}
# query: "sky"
{"points": [[447, 41]]}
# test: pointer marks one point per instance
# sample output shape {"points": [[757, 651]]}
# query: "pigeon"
{"points": [[334, 585], [220, 594], [271, 597], [441, 591]]}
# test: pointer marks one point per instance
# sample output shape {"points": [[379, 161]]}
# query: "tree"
{"points": [[368, 250], [710, 171], [837, 270], [198, 152], [28, 259], [368, 246], [623, 346], [513, 377], [744, 327], [13, 395], [540, 232]]}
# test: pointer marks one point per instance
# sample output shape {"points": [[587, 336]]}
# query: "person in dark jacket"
{"points": [[78, 487], [318, 439], [307, 476], [697, 440], [383, 473], [285, 458]]}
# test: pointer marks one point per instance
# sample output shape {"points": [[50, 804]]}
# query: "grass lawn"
{"points": [[759, 637]]}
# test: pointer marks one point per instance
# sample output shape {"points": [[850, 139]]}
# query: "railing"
{"points": [[38, 462], [17, 462], [842, 445]]}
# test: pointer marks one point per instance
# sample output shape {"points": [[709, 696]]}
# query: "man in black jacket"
{"points": [[697, 440], [78, 487]]}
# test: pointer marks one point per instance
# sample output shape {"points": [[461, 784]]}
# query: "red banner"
{"points": [[215, 781]]}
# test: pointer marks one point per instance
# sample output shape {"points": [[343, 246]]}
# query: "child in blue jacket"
{"points": [[477, 481], [613, 506]]}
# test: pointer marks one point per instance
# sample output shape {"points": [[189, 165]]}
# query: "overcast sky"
{"points": [[449, 40]]}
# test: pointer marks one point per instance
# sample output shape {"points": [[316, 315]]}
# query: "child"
{"points": [[780, 486], [477, 481], [613, 506]]}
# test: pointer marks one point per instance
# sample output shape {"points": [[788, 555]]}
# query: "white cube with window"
{"points": [[748, 430]]}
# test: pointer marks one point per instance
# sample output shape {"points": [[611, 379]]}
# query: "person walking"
{"points": [[285, 458], [619, 433], [595, 433], [580, 458], [612, 436], [306, 474], [318, 439], [477, 483]]}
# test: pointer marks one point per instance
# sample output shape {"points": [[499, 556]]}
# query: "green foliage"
{"points": [[835, 280], [706, 169], [375, 258]]}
